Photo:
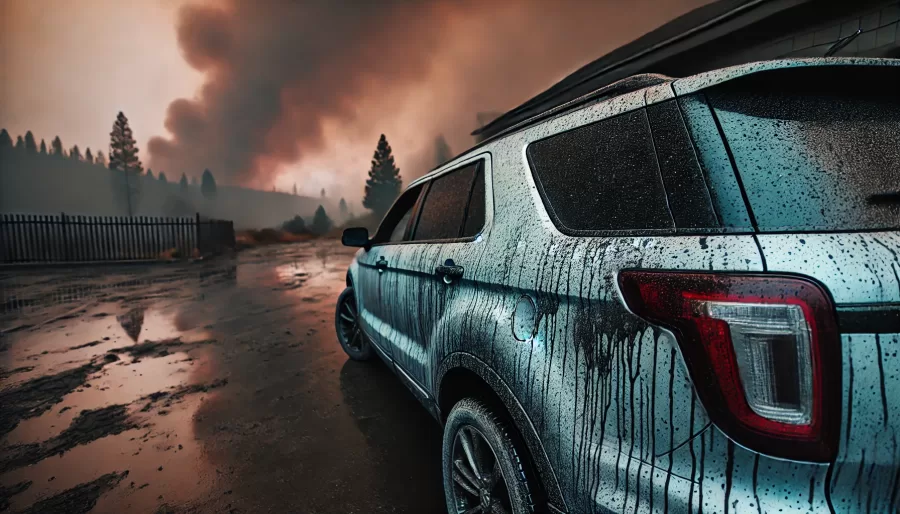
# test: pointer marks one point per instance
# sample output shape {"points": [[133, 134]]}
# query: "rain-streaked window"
{"points": [[602, 177]]}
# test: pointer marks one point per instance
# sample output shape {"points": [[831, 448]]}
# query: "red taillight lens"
{"points": [[762, 350]]}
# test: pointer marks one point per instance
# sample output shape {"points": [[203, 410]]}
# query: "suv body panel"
{"points": [[603, 398]]}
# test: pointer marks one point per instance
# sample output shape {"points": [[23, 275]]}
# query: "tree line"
{"points": [[382, 186], [123, 155]]}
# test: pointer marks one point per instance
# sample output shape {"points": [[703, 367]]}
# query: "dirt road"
{"points": [[216, 387]]}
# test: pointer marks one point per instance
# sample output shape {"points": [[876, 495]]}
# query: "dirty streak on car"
{"points": [[603, 400]]}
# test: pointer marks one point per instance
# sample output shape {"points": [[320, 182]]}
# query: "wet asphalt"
{"points": [[202, 387]]}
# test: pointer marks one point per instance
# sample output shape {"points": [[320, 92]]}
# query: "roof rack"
{"points": [[618, 88]]}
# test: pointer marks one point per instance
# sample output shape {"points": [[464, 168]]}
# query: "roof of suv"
{"points": [[670, 87]]}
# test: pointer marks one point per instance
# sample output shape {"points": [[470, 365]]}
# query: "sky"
{"points": [[276, 93]]}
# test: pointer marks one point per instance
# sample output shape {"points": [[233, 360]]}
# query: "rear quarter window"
{"points": [[602, 177], [817, 149]]}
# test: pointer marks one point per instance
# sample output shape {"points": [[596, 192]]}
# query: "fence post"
{"points": [[65, 235]]}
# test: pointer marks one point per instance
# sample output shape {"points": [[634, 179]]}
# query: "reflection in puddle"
{"points": [[26, 291], [291, 275], [120, 387]]}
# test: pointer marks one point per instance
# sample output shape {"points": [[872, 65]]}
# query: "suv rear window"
{"points": [[817, 149], [602, 177]]}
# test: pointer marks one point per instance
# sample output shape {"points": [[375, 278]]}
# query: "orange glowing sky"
{"points": [[68, 66]]}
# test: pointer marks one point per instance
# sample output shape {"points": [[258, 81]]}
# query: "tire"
{"points": [[346, 322], [470, 419]]}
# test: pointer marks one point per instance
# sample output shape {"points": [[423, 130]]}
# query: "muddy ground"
{"points": [[214, 387]]}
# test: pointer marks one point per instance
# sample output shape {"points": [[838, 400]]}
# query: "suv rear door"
{"points": [[817, 152]]}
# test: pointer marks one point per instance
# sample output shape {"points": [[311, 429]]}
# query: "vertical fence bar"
{"points": [[65, 235]]}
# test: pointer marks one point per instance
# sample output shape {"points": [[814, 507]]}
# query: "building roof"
{"points": [[712, 36]]}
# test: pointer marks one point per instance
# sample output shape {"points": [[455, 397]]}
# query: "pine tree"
{"points": [[56, 147], [183, 183], [321, 223], [30, 144], [342, 207], [384, 182], [323, 192], [295, 189], [208, 184], [88, 156], [75, 153], [442, 152], [100, 159], [123, 148], [162, 177], [20, 143], [5, 140]]}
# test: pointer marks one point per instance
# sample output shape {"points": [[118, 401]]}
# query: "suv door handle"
{"points": [[381, 264], [449, 271]]}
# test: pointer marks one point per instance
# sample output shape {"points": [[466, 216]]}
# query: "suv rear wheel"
{"points": [[483, 470], [346, 320]]}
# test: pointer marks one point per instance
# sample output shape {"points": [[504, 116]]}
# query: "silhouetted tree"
{"points": [[150, 173], [162, 177], [88, 156], [75, 153], [384, 182], [294, 226], [30, 143], [100, 159], [295, 189], [56, 147], [342, 207], [321, 223], [208, 184], [43, 148], [323, 192], [20, 143], [183, 183], [442, 152], [5, 140], [123, 150]]}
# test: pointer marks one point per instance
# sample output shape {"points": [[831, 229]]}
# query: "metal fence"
{"points": [[64, 238]]}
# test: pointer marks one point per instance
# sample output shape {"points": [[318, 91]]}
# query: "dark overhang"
{"points": [[722, 33]]}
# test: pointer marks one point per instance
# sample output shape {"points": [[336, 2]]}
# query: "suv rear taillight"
{"points": [[762, 351]]}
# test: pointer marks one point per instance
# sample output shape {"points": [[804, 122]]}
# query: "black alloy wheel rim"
{"points": [[349, 324], [478, 483]]}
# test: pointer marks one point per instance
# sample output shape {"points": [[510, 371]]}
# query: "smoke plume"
{"points": [[300, 91]]}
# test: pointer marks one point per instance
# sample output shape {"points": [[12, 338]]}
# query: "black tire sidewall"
{"points": [[365, 352], [471, 412]]}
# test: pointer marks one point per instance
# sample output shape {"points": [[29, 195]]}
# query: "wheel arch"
{"points": [[462, 375]]}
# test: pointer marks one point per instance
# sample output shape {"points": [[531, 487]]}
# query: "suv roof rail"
{"points": [[618, 88]]}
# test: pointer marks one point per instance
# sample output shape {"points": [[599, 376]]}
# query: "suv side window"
{"points": [[602, 177], [393, 228], [443, 213]]}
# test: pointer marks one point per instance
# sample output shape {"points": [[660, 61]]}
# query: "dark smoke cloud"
{"points": [[279, 72]]}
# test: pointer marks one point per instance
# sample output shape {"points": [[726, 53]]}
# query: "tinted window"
{"points": [[444, 208], [686, 190], [475, 212], [602, 177], [816, 148], [393, 226]]}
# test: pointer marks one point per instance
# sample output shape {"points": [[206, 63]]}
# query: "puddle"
{"points": [[96, 400]]}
